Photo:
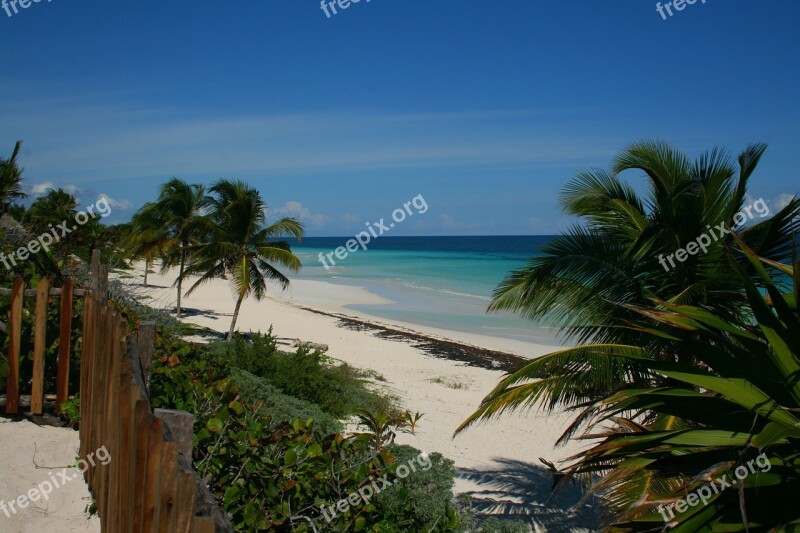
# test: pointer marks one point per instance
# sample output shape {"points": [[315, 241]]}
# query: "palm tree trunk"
{"points": [[146, 268], [235, 317], [180, 281]]}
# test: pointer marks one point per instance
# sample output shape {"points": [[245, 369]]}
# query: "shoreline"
{"points": [[444, 348]]}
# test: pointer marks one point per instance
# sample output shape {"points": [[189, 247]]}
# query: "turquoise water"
{"points": [[442, 282]]}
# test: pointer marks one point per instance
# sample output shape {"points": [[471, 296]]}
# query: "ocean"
{"points": [[441, 282]]}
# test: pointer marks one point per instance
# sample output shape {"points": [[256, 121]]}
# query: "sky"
{"points": [[486, 109]]}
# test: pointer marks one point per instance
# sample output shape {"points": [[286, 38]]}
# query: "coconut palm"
{"points": [[147, 238], [241, 247], [10, 180], [177, 222], [588, 279]]}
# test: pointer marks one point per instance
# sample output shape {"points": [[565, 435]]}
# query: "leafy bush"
{"points": [[279, 406], [338, 389], [422, 501], [277, 480], [253, 355]]}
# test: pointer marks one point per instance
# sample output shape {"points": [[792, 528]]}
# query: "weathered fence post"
{"points": [[15, 334]]}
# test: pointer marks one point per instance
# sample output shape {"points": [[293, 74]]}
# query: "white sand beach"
{"points": [[33, 455], [499, 462]]}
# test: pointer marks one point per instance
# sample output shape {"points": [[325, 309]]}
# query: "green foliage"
{"points": [[411, 420], [280, 407], [276, 480], [734, 413], [4, 370], [11, 179], [253, 354], [275, 476], [380, 426], [338, 389], [239, 246], [589, 281], [423, 500], [497, 525], [51, 342], [71, 410]]}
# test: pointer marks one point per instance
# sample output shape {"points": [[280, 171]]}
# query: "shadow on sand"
{"points": [[518, 490]]}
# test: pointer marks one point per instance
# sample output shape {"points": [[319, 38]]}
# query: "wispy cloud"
{"points": [[40, 189], [302, 213], [109, 143], [781, 201], [120, 205]]}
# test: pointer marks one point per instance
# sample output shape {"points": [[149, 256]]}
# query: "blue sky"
{"points": [[484, 108]]}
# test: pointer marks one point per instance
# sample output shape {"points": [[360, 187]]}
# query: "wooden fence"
{"points": [[147, 486], [14, 329]]}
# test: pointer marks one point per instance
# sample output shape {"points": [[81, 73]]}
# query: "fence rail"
{"points": [[147, 486]]}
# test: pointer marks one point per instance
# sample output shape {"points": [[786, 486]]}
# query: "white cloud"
{"points": [[782, 201], [122, 205], [297, 210], [40, 189]]}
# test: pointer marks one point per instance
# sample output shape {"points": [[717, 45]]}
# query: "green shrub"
{"points": [[271, 476], [253, 355], [422, 501], [279, 406], [338, 389]]}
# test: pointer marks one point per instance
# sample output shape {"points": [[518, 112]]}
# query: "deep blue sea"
{"points": [[442, 282]]}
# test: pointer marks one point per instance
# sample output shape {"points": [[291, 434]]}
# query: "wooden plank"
{"points": [[87, 366], [39, 344], [169, 486], [127, 451], [64, 344], [146, 348], [97, 368], [15, 337], [107, 436], [115, 439], [141, 418], [204, 524], [152, 492], [185, 503]]}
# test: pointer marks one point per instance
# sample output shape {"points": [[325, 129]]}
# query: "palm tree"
{"points": [[147, 237], [241, 247], [588, 280], [46, 213], [735, 418], [177, 222], [10, 179]]}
